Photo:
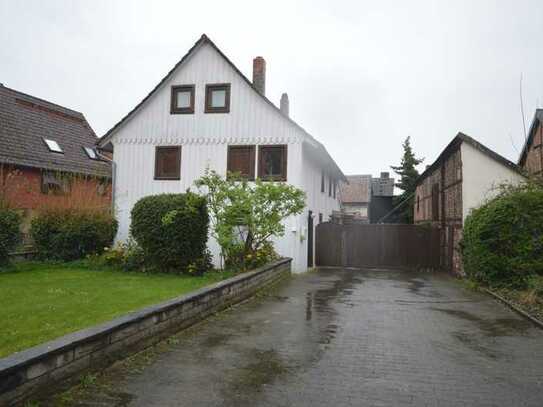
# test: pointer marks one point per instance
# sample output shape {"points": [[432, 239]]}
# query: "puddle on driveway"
{"points": [[483, 332], [265, 367], [491, 327]]}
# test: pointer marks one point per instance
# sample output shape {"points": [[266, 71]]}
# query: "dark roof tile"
{"points": [[24, 122]]}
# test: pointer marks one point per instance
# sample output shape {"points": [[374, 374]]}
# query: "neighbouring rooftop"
{"points": [[39, 134]]}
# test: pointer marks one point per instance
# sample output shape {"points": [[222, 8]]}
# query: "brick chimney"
{"points": [[259, 74], [284, 105]]}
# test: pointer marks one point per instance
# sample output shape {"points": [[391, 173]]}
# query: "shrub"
{"points": [[247, 216], [126, 255], [69, 234], [503, 239], [10, 234], [172, 231]]}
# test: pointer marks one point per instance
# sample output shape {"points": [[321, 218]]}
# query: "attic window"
{"points": [[218, 98], [53, 146], [182, 99], [91, 153]]}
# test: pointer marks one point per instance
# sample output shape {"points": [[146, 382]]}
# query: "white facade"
{"points": [[482, 177], [204, 139]]}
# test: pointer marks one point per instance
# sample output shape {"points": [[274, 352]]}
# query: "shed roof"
{"points": [[26, 121]]}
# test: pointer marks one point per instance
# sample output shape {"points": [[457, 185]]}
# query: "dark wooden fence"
{"points": [[389, 245]]}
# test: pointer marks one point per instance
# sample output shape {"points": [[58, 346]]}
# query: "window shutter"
{"points": [[241, 159]]}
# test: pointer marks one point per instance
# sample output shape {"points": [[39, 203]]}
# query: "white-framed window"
{"points": [[91, 153], [52, 145]]}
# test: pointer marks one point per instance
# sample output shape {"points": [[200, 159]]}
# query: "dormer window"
{"points": [[53, 146], [218, 98], [182, 99], [91, 153]]}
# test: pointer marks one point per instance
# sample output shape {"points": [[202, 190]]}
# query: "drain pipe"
{"points": [[113, 178]]}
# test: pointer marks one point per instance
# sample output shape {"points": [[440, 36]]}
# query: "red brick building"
{"points": [[48, 157], [531, 158], [463, 177]]}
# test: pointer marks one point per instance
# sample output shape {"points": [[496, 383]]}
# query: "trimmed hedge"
{"points": [[10, 233], [172, 230], [69, 234], [503, 240]]}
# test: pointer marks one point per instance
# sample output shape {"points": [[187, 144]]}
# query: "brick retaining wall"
{"points": [[61, 361]]}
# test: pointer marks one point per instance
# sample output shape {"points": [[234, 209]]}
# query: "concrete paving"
{"points": [[347, 338]]}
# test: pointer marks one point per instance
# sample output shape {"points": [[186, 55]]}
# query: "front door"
{"points": [[310, 239]]}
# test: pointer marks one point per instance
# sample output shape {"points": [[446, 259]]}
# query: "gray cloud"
{"points": [[361, 75]]}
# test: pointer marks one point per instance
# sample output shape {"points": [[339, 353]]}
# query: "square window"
{"points": [[272, 162], [55, 183], [241, 159], [53, 146], [168, 163], [217, 98], [182, 99]]}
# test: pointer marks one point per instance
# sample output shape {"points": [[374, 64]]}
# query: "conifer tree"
{"points": [[407, 170]]}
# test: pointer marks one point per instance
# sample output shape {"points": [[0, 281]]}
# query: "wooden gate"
{"points": [[388, 245]]}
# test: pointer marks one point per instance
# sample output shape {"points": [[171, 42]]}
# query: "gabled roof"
{"points": [[204, 39], [538, 118], [453, 146], [24, 123], [358, 190]]}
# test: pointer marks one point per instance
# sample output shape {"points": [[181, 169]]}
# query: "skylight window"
{"points": [[91, 153], [53, 146]]}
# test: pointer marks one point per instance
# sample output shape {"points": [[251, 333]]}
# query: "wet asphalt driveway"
{"points": [[346, 338]]}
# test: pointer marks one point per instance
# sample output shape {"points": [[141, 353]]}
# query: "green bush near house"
{"points": [[10, 234], [172, 231], [69, 234], [246, 216], [502, 244]]}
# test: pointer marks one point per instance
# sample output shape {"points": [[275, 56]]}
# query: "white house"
{"points": [[206, 114]]}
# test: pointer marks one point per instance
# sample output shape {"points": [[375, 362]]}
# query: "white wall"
{"points": [[204, 139], [481, 175], [316, 201]]}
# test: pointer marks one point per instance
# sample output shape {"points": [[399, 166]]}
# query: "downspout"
{"points": [[113, 178]]}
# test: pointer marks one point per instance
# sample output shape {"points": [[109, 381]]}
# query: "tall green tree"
{"points": [[407, 170]]}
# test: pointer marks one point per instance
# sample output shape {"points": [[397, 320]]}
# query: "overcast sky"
{"points": [[361, 75]]}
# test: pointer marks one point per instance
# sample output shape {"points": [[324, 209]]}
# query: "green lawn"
{"points": [[40, 302]]}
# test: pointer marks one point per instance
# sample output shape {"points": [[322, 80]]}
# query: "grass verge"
{"points": [[42, 301]]}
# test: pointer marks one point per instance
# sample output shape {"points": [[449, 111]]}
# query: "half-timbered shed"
{"points": [[206, 114], [464, 176], [531, 158]]}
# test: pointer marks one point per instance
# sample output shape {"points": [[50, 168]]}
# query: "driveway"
{"points": [[345, 338]]}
